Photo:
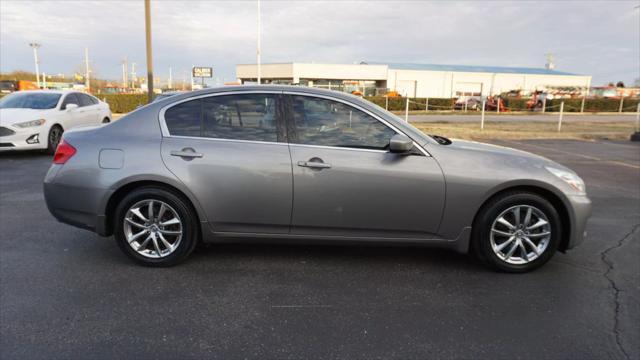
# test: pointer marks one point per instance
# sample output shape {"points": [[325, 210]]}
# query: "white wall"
{"points": [[297, 71], [340, 71], [267, 71], [446, 83]]}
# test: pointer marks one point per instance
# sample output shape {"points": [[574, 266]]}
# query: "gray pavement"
{"points": [[67, 293], [491, 116]]}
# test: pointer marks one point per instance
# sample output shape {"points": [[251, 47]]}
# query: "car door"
{"points": [[71, 117], [230, 150], [347, 183], [88, 110]]}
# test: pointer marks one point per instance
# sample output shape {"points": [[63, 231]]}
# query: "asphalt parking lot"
{"points": [[67, 293], [528, 117]]}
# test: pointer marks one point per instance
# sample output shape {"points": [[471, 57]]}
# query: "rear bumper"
{"points": [[73, 205], [580, 207]]}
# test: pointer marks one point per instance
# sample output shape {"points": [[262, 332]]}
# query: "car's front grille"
{"points": [[6, 131], [2, 145]]}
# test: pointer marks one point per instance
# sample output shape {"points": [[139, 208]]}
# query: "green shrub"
{"points": [[124, 103]]}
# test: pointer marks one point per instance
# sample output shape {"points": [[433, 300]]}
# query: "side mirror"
{"points": [[400, 144], [70, 106]]}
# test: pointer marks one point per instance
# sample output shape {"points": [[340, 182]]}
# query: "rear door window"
{"points": [[241, 117], [85, 100], [184, 119], [253, 117]]}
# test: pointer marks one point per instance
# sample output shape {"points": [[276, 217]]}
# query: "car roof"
{"points": [[48, 91], [269, 88]]}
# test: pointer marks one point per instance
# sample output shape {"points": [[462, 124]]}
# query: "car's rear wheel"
{"points": [[106, 120], [53, 139], [517, 232], [155, 227]]}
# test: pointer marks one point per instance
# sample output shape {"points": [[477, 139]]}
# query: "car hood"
{"points": [[490, 148], [506, 154], [9, 117]]}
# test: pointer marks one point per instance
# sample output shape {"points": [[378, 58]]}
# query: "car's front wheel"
{"points": [[155, 227], [517, 232], [53, 139]]}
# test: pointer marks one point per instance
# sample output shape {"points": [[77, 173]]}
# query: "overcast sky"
{"points": [[601, 39]]}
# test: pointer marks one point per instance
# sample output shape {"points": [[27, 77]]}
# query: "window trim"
{"points": [[355, 106], [165, 130]]}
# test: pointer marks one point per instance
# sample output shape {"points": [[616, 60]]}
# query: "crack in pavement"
{"points": [[616, 289]]}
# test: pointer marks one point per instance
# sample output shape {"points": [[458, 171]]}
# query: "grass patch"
{"points": [[614, 130]]}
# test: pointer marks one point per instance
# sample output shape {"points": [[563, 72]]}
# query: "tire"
{"points": [[492, 239], [106, 120], [175, 206], [53, 139]]}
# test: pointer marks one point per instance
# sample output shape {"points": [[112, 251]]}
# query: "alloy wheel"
{"points": [[54, 136], [153, 228], [520, 234]]}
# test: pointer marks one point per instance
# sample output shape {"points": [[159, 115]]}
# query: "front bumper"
{"points": [[580, 209], [24, 139]]}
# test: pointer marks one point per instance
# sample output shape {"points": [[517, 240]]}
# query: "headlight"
{"points": [[570, 178], [31, 123]]}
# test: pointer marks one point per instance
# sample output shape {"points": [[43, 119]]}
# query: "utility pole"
{"points": [[192, 77], [170, 82], [147, 27], [258, 49], [125, 82], [133, 75], [87, 80], [35, 47]]}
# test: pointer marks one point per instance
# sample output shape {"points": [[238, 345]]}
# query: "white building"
{"points": [[414, 80]]}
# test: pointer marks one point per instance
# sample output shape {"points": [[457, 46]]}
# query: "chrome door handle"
{"points": [[314, 164], [186, 154]]}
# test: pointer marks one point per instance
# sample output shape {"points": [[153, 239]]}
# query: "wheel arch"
{"points": [[119, 194], [553, 196]]}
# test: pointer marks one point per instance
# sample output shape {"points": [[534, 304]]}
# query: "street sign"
{"points": [[202, 72]]}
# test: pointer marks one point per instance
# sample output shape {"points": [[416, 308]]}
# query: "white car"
{"points": [[36, 119]]}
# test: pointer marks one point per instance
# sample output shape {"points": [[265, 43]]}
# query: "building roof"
{"points": [[475, 68]]}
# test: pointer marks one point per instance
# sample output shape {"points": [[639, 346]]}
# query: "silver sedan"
{"points": [[299, 164]]}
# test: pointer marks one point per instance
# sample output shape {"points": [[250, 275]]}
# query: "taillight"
{"points": [[64, 152]]}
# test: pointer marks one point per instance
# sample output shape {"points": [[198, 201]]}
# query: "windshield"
{"points": [[38, 101]]}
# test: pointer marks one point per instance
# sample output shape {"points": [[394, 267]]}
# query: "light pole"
{"points": [[147, 27], [35, 47], [87, 79], [258, 48]]}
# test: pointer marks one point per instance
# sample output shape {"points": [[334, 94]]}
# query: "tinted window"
{"points": [[331, 123], [25, 100], [184, 119], [85, 100], [238, 117], [70, 99]]}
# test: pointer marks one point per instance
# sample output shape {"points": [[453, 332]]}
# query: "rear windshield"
{"points": [[29, 101]]}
